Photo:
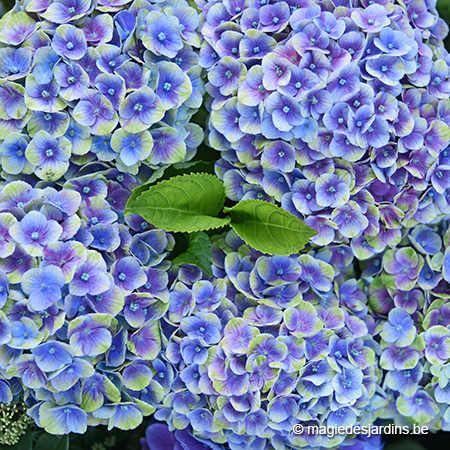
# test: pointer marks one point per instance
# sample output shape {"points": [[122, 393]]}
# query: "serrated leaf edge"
{"points": [[181, 176], [128, 210], [295, 249]]}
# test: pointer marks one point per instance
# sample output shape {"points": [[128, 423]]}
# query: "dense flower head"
{"points": [[295, 335], [338, 112], [327, 106], [93, 70], [71, 293]]}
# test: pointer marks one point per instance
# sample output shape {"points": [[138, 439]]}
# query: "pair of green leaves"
{"points": [[194, 203]]}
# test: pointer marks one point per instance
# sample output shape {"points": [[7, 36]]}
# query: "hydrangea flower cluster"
{"points": [[81, 293], [338, 113], [314, 338], [235, 359], [84, 81]]}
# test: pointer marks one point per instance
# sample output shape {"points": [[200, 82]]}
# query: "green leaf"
{"points": [[194, 5], [188, 167], [172, 170], [182, 204], [52, 442], [157, 174], [269, 228], [198, 253]]}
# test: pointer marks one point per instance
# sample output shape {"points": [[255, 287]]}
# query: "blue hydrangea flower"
{"points": [[43, 286], [49, 155], [132, 148], [162, 34], [141, 109]]}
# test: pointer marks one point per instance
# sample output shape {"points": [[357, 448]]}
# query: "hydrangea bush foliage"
{"points": [[338, 112]]}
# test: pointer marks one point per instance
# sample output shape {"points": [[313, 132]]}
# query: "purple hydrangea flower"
{"points": [[69, 42]]}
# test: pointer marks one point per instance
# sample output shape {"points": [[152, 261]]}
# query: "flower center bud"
{"points": [[35, 235], [347, 383], [111, 91], [85, 276], [49, 152], [228, 74], [122, 276], [167, 86], [70, 46], [138, 107], [161, 37]]}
